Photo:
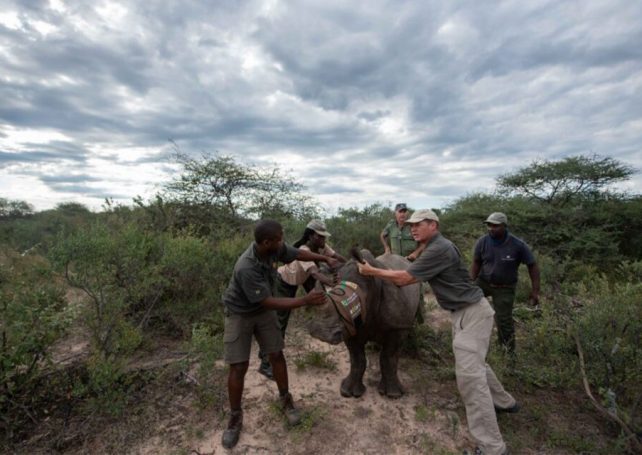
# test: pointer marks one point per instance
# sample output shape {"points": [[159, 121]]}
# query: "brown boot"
{"points": [[287, 406], [233, 431]]}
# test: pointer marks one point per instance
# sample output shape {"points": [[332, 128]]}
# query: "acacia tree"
{"points": [[236, 189], [559, 182], [10, 209]]}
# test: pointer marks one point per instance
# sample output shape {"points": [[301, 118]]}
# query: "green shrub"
{"points": [[33, 316], [609, 330], [205, 348]]}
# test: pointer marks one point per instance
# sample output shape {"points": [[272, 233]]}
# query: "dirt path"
{"points": [[427, 419]]}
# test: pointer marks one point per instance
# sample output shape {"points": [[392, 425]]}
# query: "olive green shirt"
{"points": [[441, 265], [254, 279], [401, 240]]}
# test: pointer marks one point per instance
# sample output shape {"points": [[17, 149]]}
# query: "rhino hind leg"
{"points": [[390, 385], [352, 385]]}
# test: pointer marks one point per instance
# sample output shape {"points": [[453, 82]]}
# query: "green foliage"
{"points": [[359, 227], [104, 389], [315, 359], [14, 209], [117, 271], [33, 316], [560, 182], [205, 348], [192, 281], [34, 232], [233, 189], [581, 223], [609, 328]]}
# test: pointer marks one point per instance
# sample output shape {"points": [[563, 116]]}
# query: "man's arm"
{"points": [[306, 255], [384, 241], [285, 303], [474, 269], [322, 278], [415, 254], [533, 271], [397, 277], [339, 258]]}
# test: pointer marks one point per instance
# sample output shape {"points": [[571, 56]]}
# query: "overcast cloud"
{"points": [[414, 101]]}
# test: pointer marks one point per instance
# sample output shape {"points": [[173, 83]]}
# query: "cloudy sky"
{"points": [[416, 101]]}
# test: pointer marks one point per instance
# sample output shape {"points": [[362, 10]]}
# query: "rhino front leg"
{"points": [[388, 360], [352, 385]]}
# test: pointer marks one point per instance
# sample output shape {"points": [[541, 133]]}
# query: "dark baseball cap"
{"points": [[401, 206]]}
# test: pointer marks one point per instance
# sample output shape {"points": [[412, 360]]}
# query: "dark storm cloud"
{"points": [[53, 152], [385, 92]]}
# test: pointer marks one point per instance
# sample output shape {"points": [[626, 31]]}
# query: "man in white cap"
{"points": [[441, 265], [496, 258]]}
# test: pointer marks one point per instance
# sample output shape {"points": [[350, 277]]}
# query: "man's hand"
{"points": [[365, 268], [411, 257], [332, 263], [314, 297]]}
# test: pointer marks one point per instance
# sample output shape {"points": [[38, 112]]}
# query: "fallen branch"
{"points": [[631, 436]]}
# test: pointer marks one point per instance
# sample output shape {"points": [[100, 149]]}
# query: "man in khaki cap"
{"points": [[441, 265], [496, 258]]}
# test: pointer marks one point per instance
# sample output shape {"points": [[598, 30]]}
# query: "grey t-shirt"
{"points": [[440, 264], [499, 263], [254, 280]]}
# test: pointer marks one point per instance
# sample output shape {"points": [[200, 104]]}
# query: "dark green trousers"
{"points": [[503, 299]]}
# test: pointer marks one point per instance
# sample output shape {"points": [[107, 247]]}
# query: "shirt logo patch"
{"points": [[258, 291]]}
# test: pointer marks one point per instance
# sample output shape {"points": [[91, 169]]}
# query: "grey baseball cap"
{"points": [[497, 218], [318, 226], [423, 214], [401, 206]]}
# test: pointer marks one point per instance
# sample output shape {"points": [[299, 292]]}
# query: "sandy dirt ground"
{"points": [[427, 419]]}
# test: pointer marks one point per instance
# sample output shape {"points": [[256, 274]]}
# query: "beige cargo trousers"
{"points": [[480, 389]]}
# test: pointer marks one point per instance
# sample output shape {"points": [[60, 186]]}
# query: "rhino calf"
{"points": [[389, 314]]}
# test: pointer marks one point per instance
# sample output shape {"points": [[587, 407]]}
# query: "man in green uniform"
{"points": [[396, 237], [249, 312]]}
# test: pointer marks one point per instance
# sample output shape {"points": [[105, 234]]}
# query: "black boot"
{"points": [[266, 368], [233, 431], [287, 406]]}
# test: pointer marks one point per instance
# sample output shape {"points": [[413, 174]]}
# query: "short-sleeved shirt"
{"points": [[254, 279], [441, 265], [297, 272], [401, 239], [499, 263]]}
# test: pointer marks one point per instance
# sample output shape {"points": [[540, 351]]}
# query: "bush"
{"points": [[33, 316], [609, 329]]}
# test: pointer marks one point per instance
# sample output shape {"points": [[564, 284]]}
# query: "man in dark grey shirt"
{"points": [[497, 257], [249, 311], [441, 265]]}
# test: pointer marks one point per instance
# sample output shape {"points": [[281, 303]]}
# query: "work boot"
{"points": [[514, 409], [287, 406], [266, 369], [233, 431]]}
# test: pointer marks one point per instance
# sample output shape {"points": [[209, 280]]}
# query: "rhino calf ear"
{"points": [[356, 254]]}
